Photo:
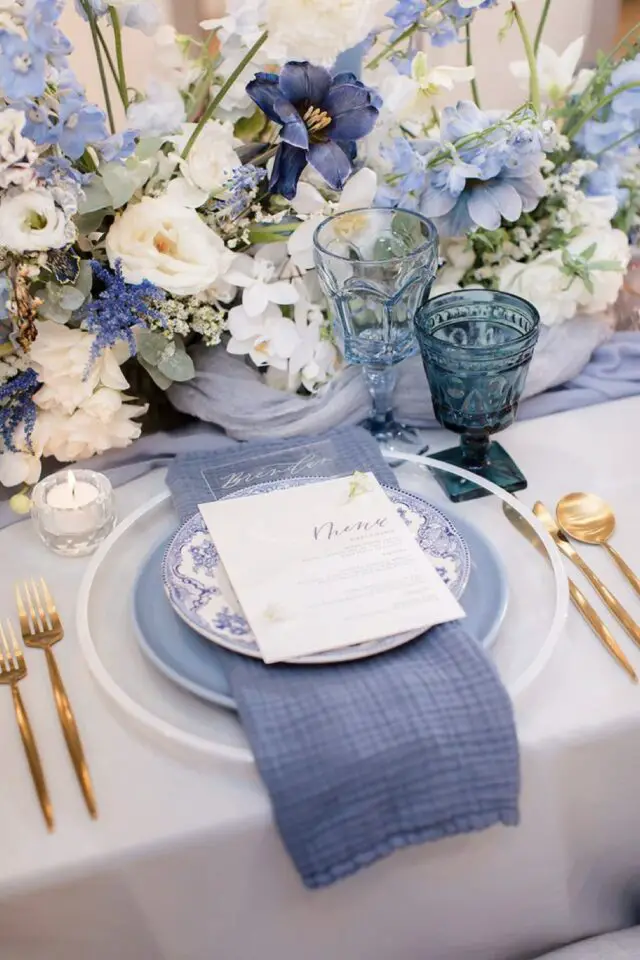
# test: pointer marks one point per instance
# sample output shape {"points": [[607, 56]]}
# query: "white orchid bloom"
{"points": [[359, 191], [257, 277], [556, 71], [269, 338]]}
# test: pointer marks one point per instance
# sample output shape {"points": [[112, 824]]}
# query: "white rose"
{"points": [[594, 212], [319, 31], [17, 153], [210, 162], [168, 244], [32, 221], [611, 248], [543, 283]]}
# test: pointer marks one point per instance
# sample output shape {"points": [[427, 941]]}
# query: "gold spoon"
{"points": [[590, 519]]}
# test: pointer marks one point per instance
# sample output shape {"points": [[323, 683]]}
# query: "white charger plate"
{"points": [[177, 720]]}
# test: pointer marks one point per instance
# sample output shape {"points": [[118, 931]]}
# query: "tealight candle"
{"points": [[73, 511]]}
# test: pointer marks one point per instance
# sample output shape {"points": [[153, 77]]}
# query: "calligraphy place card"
{"points": [[326, 565]]}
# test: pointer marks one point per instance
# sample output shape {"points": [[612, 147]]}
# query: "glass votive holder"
{"points": [[73, 511]]}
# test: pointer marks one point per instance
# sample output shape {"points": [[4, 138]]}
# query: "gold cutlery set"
{"points": [[41, 628], [587, 519]]}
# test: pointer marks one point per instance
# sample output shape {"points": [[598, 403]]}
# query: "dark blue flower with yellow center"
{"points": [[321, 118]]}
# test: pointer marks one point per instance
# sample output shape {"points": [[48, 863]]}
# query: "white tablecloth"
{"points": [[185, 864]]}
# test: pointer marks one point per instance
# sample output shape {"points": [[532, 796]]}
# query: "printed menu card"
{"points": [[326, 565]]}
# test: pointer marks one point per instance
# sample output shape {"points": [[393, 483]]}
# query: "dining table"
{"points": [[184, 861]]}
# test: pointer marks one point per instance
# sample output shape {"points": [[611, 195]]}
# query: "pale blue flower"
{"points": [[37, 121], [5, 294], [22, 67], [478, 176], [160, 113], [42, 29], [606, 181], [119, 146], [627, 103], [144, 16], [80, 123]]}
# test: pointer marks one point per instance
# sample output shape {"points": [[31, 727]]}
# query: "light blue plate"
{"points": [[200, 593], [195, 664]]}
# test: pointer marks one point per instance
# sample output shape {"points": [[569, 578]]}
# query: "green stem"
{"points": [[109, 59], [222, 92], [616, 143], [103, 76], [117, 36], [469, 58], [534, 82], [572, 131], [541, 26]]}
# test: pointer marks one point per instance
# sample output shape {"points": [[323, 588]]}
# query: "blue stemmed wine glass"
{"points": [[376, 266], [476, 347]]}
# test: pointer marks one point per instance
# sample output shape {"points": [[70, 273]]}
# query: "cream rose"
{"points": [[168, 244], [544, 283], [208, 166], [611, 248], [32, 221]]}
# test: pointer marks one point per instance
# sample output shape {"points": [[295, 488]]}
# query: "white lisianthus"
{"points": [[543, 282], [268, 339], [609, 248], [359, 191], [593, 212], [209, 164], [556, 71], [319, 30], [17, 153], [168, 244], [31, 220]]}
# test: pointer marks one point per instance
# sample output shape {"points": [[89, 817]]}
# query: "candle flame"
{"points": [[71, 480]]}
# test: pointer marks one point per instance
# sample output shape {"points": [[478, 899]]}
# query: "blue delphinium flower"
{"points": [[118, 308], [17, 406], [79, 123], [42, 29], [607, 181], [321, 118], [56, 169], [482, 172], [22, 67], [119, 146], [406, 183], [443, 25], [627, 102]]}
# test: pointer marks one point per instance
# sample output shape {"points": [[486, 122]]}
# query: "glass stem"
{"points": [[474, 450], [381, 382]]}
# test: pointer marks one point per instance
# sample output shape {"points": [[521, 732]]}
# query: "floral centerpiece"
{"points": [[193, 222]]}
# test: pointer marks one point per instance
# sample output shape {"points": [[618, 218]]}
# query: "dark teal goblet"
{"points": [[476, 347]]}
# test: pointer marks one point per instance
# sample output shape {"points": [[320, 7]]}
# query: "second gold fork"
{"points": [[41, 627]]}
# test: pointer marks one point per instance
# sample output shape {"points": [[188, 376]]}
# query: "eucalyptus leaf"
{"points": [[84, 283], [152, 346], [158, 378], [248, 128], [90, 222], [148, 148], [123, 179], [49, 310], [178, 367], [96, 197], [71, 298], [271, 232]]}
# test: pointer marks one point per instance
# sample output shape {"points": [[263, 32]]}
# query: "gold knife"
{"points": [[578, 598], [562, 542]]}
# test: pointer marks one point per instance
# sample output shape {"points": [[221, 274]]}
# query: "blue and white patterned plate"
{"points": [[199, 590]]}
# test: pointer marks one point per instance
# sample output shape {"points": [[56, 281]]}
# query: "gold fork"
{"points": [[12, 670], [41, 627]]}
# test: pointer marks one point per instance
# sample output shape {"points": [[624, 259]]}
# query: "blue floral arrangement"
{"points": [[191, 222]]}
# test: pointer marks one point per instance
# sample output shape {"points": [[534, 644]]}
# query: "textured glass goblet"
{"points": [[376, 266], [476, 347]]}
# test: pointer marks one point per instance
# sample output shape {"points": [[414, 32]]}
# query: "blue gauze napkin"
{"points": [[202, 476], [363, 758]]}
